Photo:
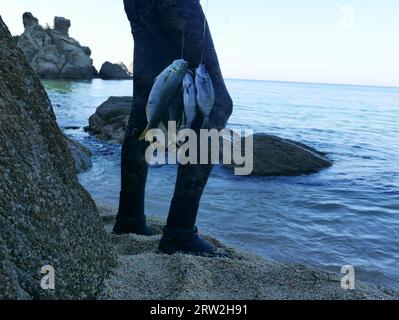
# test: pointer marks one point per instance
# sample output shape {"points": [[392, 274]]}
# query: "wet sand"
{"points": [[144, 274]]}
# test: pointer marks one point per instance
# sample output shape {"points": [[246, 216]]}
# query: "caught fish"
{"points": [[205, 93], [176, 108], [175, 114], [164, 90], [190, 100]]}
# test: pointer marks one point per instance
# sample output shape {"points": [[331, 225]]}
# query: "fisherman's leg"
{"points": [[148, 63], [180, 234]]}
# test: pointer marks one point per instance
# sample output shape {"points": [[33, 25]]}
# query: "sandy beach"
{"points": [[144, 274]]}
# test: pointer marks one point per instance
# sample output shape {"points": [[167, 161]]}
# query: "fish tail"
{"points": [[142, 136]]}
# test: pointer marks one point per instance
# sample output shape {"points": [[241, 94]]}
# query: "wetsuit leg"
{"points": [[167, 21], [149, 61]]}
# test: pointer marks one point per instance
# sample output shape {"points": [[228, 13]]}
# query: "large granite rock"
{"points": [[274, 156], [114, 71], [52, 53], [110, 119], [46, 217]]}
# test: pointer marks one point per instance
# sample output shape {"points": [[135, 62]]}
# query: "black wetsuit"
{"points": [[158, 27]]}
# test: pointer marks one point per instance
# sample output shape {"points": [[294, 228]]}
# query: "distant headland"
{"points": [[53, 54]]}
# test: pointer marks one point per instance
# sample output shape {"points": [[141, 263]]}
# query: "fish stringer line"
{"points": [[184, 30], [204, 33], [183, 43]]}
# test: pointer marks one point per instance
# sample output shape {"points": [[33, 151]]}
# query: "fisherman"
{"points": [[164, 31]]}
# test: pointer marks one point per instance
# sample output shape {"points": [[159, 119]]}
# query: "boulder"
{"points": [[274, 156], [80, 154], [52, 53], [110, 119], [114, 71], [9, 286], [46, 217]]}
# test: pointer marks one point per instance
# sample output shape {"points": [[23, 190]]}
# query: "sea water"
{"points": [[344, 215]]}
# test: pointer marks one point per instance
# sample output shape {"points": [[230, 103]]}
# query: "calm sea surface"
{"points": [[348, 214]]}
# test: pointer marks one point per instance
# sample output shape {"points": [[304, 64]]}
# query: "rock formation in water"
{"points": [[80, 154], [46, 217], [274, 156], [114, 71], [52, 53], [110, 119]]}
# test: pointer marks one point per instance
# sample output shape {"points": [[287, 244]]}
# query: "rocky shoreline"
{"points": [[48, 219], [115, 71], [53, 54]]}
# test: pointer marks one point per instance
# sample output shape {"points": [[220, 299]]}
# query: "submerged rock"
{"points": [[110, 119], [274, 156], [52, 53], [46, 217], [114, 71]]}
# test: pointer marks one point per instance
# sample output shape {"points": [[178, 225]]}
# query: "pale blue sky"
{"points": [[335, 41]]}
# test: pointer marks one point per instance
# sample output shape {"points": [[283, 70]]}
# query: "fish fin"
{"points": [[142, 136], [205, 123]]}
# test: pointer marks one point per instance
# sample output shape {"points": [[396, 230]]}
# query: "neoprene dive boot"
{"points": [[134, 222], [125, 225], [184, 241]]}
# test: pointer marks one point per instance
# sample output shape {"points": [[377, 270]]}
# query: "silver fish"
{"points": [[205, 93], [165, 88], [190, 100], [176, 108]]}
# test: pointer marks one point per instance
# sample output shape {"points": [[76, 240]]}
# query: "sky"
{"points": [[335, 41]]}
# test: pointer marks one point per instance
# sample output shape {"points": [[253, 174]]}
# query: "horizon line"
{"points": [[319, 83]]}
